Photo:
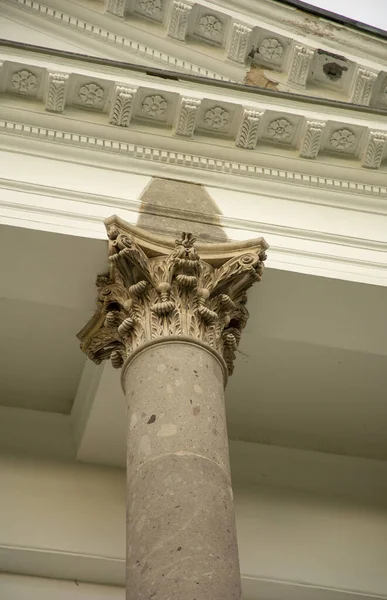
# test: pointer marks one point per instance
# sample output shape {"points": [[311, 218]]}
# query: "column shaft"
{"points": [[181, 542]]}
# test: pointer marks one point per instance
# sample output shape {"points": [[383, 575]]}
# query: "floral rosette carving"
{"points": [[155, 106], [91, 94], [216, 117], [149, 295], [24, 82], [211, 27], [342, 139], [280, 129], [150, 7], [271, 50]]}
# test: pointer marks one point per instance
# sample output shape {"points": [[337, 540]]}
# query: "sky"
{"points": [[371, 12]]}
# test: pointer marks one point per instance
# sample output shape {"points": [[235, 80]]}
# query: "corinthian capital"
{"points": [[158, 288]]}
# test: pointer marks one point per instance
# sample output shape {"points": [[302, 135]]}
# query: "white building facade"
{"points": [[259, 129]]}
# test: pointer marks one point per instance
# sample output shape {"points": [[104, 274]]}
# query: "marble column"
{"points": [[171, 315]]}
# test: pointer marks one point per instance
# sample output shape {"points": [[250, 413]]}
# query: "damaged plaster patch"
{"points": [[333, 65], [334, 71], [313, 25], [259, 77]]}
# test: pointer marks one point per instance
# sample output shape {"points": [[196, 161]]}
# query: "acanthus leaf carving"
{"points": [[300, 64], [238, 44], [56, 92], [158, 289], [179, 17], [374, 150], [121, 107], [187, 116], [311, 141], [363, 85], [248, 132]]}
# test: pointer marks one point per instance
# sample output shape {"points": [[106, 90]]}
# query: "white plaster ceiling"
{"points": [[310, 371], [46, 293]]}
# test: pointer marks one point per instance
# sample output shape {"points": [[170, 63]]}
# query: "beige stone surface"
{"points": [[179, 196]]}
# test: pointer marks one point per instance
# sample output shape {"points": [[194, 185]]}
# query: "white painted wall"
{"points": [[67, 520]]}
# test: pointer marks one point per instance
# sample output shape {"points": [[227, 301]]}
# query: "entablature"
{"points": [[238, 123]]}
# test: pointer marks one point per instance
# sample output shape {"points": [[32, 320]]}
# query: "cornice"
{"points": [[235, 122], [312, 25], [291, 248], [304, 54], [106, 36], [193, 162], [136, 206]]}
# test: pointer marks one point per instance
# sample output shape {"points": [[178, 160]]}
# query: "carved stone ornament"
{"points": [[187, 116], [56, 91], [342, 139], [24, 82], [178, 22], [152, 8], [216, 117], [374, 150], [116, 7], [121, 107], [311, 141], [271, 50], [239, 40], [364, 82], [211, 27], [156, 288], [155, 106], [248, 132], [91, 94], [300, 64], [280, 129]]}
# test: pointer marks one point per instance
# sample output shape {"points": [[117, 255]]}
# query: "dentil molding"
{"points": [[191, 163]]}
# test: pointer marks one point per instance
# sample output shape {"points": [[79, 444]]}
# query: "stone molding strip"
{"points": [[254, 227], [66, 20], [192, 161]]}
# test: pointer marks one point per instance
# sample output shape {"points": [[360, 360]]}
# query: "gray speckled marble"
{"points": [[181, 527]]}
